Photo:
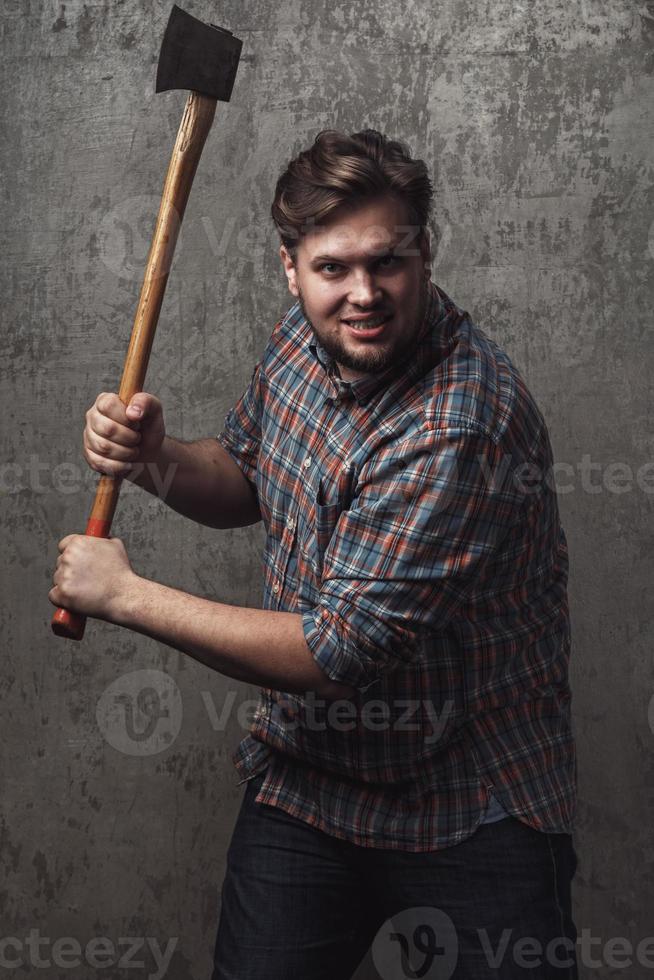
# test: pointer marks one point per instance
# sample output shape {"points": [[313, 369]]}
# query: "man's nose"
{"points": [[364, 290]]}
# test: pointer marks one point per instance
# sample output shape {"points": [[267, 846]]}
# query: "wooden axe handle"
{"points": [[193, 130]]}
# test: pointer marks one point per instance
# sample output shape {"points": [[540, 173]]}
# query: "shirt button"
{"points": [[276, 588], [290, 523], [307, 462]]}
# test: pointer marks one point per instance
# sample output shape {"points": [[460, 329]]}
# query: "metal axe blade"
{"points": [[199, 57]]}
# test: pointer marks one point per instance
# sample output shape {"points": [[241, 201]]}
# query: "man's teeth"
{"points": [[367, 324]]}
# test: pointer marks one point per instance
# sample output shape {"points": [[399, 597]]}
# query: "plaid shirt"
{"points": [[411, 520]]}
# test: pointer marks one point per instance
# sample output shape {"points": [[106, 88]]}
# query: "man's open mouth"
{"points": [[369, 326]]}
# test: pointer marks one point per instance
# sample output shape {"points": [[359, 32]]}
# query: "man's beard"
{"points": [[372, 361]]}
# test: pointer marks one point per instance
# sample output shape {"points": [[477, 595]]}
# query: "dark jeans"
{"points": [[298, 904]]}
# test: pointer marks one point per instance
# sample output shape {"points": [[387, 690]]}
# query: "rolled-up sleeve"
{"points": [[241, 434], [426, 517]]}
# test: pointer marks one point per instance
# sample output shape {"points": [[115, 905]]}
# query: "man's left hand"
{"points": [[92, 576]]}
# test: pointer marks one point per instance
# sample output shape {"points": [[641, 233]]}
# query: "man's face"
{"points": [[363, 266]]}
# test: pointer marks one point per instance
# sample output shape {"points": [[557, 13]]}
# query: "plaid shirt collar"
{"points": [[410, 364]]}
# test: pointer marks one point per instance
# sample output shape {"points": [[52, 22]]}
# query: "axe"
{"points": [[203, 58]]}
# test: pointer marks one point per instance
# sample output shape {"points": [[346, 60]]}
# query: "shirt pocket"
{"points": [[323, 518], [327, 516]]}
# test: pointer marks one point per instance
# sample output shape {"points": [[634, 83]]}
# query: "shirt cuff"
{"points": [[336, 651]]}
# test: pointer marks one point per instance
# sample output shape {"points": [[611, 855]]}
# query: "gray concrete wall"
{"points": [[536, 120]]}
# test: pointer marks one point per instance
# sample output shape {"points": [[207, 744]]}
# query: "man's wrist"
{"points": [[128, 600], [157, 475]]}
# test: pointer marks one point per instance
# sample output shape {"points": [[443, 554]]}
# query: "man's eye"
{"points": [[330, 267], [387, 261]]}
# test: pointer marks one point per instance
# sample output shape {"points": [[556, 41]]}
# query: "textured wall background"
{"points": [[536, 120]]}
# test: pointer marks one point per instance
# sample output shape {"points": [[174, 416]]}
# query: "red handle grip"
{"points": [[68, 624]]}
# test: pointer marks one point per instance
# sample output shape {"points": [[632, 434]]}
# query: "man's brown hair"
{"points": [[340, 169]]}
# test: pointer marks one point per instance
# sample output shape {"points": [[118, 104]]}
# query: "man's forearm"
{"points": [[200, 480], [258, 646]]}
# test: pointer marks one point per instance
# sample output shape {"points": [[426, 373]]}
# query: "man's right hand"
{"points": [[198, 479], [116, 437]]}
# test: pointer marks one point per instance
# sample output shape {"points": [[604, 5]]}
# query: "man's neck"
{"points": [[346, 374]]}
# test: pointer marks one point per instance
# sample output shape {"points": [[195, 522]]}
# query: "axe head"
{"points": [[197, 56]]}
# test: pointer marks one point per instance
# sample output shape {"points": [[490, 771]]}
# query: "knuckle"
{"points": [[99, 465], [99, 426], [105, 401]]}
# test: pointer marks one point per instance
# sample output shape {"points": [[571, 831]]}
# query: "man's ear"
{"points": [[290, 269]]}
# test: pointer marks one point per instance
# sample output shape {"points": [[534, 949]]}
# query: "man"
{"points": [[411, 755]]}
